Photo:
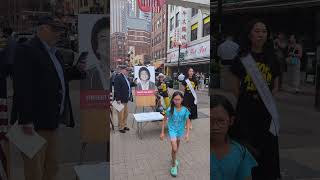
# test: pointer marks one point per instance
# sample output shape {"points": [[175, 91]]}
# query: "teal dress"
{"points": [[236, 165], [177, 122]]}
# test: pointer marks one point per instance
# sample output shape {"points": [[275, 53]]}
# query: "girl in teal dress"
{"points": [[228, 159], [177, 117]]}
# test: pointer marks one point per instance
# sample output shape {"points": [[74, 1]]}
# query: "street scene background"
{"points": [[299, 110]]}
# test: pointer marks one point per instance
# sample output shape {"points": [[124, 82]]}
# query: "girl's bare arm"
{"points": [[163, 124], [188, 126]]}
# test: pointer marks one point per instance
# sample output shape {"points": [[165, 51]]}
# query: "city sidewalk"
{"points": [[149, 158]]}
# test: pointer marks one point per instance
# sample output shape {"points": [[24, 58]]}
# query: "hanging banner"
{"points": [[145, 79], [94, 41]]}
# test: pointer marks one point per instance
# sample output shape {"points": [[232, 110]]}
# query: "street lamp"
{"points": [[179, 45]]}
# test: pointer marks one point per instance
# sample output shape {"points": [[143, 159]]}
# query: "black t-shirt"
{"points": [[250, 107], [188, 97], [269, 68], [193, 82]]}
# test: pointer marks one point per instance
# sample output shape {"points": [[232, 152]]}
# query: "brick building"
{"points": [[159, 38], [118, 51], [139, 44]]}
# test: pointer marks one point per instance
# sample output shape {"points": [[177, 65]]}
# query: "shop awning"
{"points": [[157, 64], [205, 60]]}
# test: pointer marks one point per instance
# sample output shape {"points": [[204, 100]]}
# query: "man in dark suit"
{"points": [[122, 94], [42, 101]]}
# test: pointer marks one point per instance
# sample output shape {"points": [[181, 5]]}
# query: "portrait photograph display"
{"points": [[145, 79]]}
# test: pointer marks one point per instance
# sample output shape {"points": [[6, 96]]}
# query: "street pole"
{"points": [[179, 59], [215, 62]]}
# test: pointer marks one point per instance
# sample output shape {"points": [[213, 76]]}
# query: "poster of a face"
{"points": [[145, 79], [94, 39]]}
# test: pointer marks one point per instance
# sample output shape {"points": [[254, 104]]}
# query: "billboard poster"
{"points": [[145, 79], [94, 41]]}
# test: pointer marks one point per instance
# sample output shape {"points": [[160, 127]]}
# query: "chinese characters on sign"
{"points": [[183, 35]]}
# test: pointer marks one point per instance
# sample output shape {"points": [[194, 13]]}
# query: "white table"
{"points": [[98, 171], [140, 118]]}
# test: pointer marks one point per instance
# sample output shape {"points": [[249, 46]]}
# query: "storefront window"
{"points": [[206, 26], [194, 12], [171, 24], [177, 20], [194, 32]]}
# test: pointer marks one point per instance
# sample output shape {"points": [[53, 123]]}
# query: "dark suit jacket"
{"points": [[37, 87], [121, 89]]}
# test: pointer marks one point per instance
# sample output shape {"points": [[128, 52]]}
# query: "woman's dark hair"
{"points": [[176, 93], [245, 42], [187, 74], [100, 25], [219, 100], [146, 70]]}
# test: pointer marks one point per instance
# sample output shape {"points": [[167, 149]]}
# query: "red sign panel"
{"points": [[97, 99], [145, 92]]}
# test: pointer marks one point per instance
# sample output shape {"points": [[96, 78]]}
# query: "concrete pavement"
{"points": [[149, 158]]}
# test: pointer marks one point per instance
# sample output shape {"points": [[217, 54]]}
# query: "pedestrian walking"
{"points": [[40, 83], [177, 117], [198, 79], [229, 160], [122, 94], [294, 63], [190, 95], [280, 46], [163, 89], [256, 73], [202, 78]]}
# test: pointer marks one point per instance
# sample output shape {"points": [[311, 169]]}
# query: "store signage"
{"points": [[193, 52]]}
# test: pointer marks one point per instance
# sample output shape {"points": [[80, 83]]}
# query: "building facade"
{"points": [[190, 29], [118, 52], [159, 39], [119, 15], [139, 45]]}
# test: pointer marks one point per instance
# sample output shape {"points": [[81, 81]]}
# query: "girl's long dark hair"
{"points": [[245, 42], [177, 93], [219, 100]]}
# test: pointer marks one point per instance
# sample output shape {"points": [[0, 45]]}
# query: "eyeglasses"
{"points": [[220, 122]]}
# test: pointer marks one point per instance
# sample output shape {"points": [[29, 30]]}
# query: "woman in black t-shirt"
{"points": [[253, 119], [188, 99]]}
